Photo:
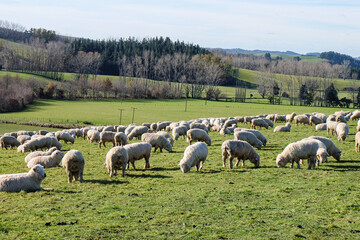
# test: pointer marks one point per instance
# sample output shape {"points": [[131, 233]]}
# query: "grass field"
{"points": [[164, 203]]}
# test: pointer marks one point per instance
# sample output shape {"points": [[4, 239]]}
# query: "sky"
{"points": [[300, 26]]}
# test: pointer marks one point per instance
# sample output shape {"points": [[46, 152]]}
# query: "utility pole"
{"points": [[133, 114], [120, 109]]}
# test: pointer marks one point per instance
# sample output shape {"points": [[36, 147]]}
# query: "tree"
{"points": [[303, 93], [331, 95], [268, 56]]}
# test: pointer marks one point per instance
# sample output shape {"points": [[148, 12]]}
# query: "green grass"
{"points": [[163, 203]]}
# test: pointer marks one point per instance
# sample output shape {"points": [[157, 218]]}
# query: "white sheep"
{"points": [[321, 127], [355, 115], [194, 155], [315, 120], [43, 132], [120, 139], [65, 136], [39, 153], [358, 126], [271, 117], [279, 118], [199, 126], [331, 125], [93, 135], [162, 125], [157, 141], [283, 128], [115, 158], [290, 117], [331, 117], [107, 136], [74, 163], [48, 161], [137, 151], [9, 141], [167, 136], [29, 182], [40, 143], [23, 138], [342, 130], [109, 128], [137, 131], [224, 131], [198, 135], [121, 128], [258, 122], [129, 129], [248, 137], [331, 148], [269, 122], [304, 119], [322, 116], [230, 122], [248, 119], [241, 150], [341, 118], [179, 131], [357, 142], [257, 133], [153, 127]]}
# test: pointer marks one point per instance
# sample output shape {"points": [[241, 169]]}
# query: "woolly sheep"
{"points": [[194, 155], [224, 131], [315, 120], [9, 141], [230, 122], [93, 136], [146, 125], [258, 122], [137, 131], [198, 135], [29, 182], [271, 117], [129, 129], [115, 158], [331, 125], [355, 115], [358, 126], [301, 119], [65, 136], [322, 116], [85, 131], [153, 127], [107, 136], [357, 142], [279, 118], [331, 117], [48, 161], [74, 163], [342, 130], [331, 148], [321, 127], [121, 128], [179, 131], [39, 153], [285, 128], [162, 125], [241, 150], [109, 128], [289, 117], [137, 151], [199, 126], [269, 122], [341, 118], [23, 138], [167, 136], [43, 132], [120, 139], [157, 141], [257, 133], [304, 149], [248, 137], [248, 119]]}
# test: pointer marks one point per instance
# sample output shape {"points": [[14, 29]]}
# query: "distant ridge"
{"points": [[256, 51]]}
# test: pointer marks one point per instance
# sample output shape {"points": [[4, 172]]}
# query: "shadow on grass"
{"points": [[107, 181], [339, 168], [147, 176], [164, 169], [36, 106], [348, 161]]}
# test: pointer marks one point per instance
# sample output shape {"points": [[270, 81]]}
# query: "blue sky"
{"points": [[300, 26]]}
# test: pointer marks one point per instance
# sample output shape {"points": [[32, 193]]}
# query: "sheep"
{"points": [[301, 119], [342, 113], [224, 131], [78, 132], [240, 119], [48, 161], [199, 126], [304, 149], [331, 125], [137, 131], [153, 127], [43, 132], [121, 128], [248, 119], [157, 141], [199, 135], [289, 117], [74, 163], [39, 153], [357, 142], [355, 115], [23, 138], [358, 126], [194, 155], [269, 122], [29, 182], [248, 137], [129, 129], [322, 116], [107, 136], [279, 118], [85, 131], [315, 120], [271, 117], [179, 131], [93, 136], [321, 127], [216, 128], [257, 133], [331, 148], [285, 128], [230, 122], [137, 151], [115, 158], [258, 122], [331, 117], [167, 136], [69, 131], [341, 118], [120, 139], [109, 128], [241, 150], [342, 130], [65, 136], [162, 125], [9, 141]]}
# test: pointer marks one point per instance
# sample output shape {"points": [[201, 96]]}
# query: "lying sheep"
{"points": [[290, 117], [120, 139], [331, 148], [74, 163], [194, 155], [29, 182], [137, 151], [198, 135], [93, 136], [179, 131], [224, 131], [39, 153], [199, 126], [285, 128], [107, 136], [23, 138], [248, 137], [167, 136], [321, 127], [137, 131], [304, 149], [65, 136], [9, 141], [301, 119], [315, 120], [48, 161], [342, 130], [157, 141], [115, 158], [241, 150], [357, 142], [258, 122]]}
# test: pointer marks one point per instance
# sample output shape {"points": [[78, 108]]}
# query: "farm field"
{"points": [[163, 203]]}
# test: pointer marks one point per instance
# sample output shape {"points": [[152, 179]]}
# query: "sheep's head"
{"points": [[208, 141], [256, 160], [38, 172], [337, 156], [168, 147], [322, 155], [280, 161], [184, 168]]}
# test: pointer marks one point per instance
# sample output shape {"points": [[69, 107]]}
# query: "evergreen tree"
{"points": [[331, 96]]}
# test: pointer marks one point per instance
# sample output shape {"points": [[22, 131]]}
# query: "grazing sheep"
{"points": [[341, 118], [331, 117], [257, 133], [109, 129], [279, 118], [355, 115], [162, 125], [115, 158], [342, 130], [107, 136], [65, 136], [29, 182], [322, 116], [43, 132], [48, 161], [331, 125], [120, 139], [199, 126], [39, 153], [304, 149], [194, 155], [224, 131], [248, 137], [137, 151], [153, 127], [157, 141], [357, 142], [9, 141], [179, 131], [285, 128], [269, 122], [241, 150], [258, 122], [271, 117], [331, 148], [93, 136], [167, 136], [198, 135], [301, 119], [315, 120], [248, 119], [321, 127], [129, 129], [289, 117], [230, 122], [137, 131], [358, 126], [121, 128], [23, 138], [74, 163], [146, 125]]}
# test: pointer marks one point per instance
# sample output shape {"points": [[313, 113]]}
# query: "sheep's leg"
{"points": [[123, 172], [100, 145], [243, 163], [161, 150], [133, 164], [69, 177], [201, 165], [292, 164], [237, 162], [81, 176], [225, 155], [127, 166], [230, 162], [115, 171], [155, 149], [298, 165], [113, 144], [104, 144], [197, 167]]}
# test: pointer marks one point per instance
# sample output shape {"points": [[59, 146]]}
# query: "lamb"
{"points": [[301, 119], [137, 131], [355, 115], [199, 135], [65, 136], [248, 137], [241, 150], [9, 141], [257, 133], [194, 155], [289, 117], [115, 158], [93, 136], [179, 131], [279, 118], [120, 139], [167, 136], [107, 136], [74, 163], [321, 127], [342, 130], [331, 125], [304, 149], [137, 151], [285, 128], [49, 161], [357, 142], [331, 148], [29, 182], [39, 153], [157, 141], [23, 138], [258, 122], [315, 120], [199, 126]]}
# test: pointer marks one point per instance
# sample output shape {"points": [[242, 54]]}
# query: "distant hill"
{"points": [[315, 54], [256, 51]]}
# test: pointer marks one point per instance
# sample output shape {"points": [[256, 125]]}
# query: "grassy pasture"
{"points": [[163, 203]]}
